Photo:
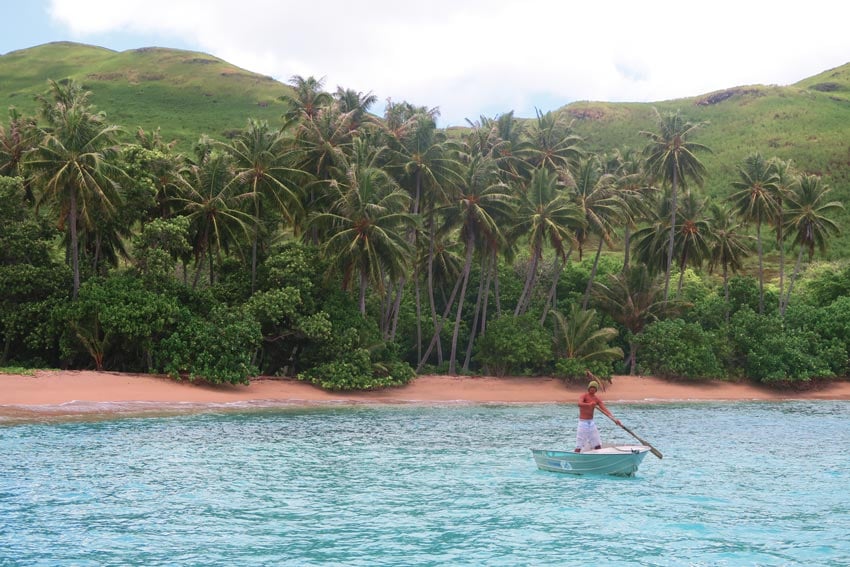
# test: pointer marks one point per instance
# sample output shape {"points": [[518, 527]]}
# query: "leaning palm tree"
{"points": [[482, 205], [755, 201], [595, 194], [807, 217], [637, 192], [545, 216], [75, 164], [671, 158], [427, 165]]}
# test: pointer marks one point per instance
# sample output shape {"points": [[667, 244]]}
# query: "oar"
{"points": [[652, 449]]}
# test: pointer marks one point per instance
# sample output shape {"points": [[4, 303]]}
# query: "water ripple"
{"points": [[740, 484]]}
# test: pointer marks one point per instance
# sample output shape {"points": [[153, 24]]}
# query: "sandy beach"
{"points": [[79, 392]]}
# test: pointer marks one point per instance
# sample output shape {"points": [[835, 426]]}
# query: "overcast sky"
{"points": [[471, 57]]}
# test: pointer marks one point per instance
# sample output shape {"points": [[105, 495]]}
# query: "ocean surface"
{"points": [[740, 484]]}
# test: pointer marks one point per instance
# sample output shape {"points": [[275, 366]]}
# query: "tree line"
{"points": [[353, 250]]}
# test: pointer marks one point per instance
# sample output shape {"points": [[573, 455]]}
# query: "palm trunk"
{"points": [[418, 317], [490, 267], [627, 237], [475, 316], [552, 300], [496, 287], [673, 205], [254, 244], [75, 244], [439, 327], [726, 290], [363, 283], [681, 272], [783, 305], [592, 275], [467, 266], [761, 268], [396, 308], [432, 236], [780, 239], [525, 297]]}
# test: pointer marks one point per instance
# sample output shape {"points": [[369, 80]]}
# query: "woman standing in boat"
{"points": [[587, 436]]}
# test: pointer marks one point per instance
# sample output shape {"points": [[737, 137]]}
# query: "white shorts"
{"points": [[587, 436]]}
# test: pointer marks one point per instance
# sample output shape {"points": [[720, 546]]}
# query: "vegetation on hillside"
{"points": [[352, 250]]}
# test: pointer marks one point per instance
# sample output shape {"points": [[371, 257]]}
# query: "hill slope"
{"points": [[184, 93], [187, 94]]}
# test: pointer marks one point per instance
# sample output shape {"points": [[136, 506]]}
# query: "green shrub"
{"points": [[514, 345], [218, 349], [574, 368], [771, 353], [354, 370], [675, 348]]}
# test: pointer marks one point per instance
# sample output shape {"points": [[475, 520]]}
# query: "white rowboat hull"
{"points": [[621, 460]]}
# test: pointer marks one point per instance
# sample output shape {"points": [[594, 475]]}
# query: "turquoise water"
{"points": [[740, 484]]}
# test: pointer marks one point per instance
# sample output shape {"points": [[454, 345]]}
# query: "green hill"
{"points": [[807, 122], [187, 94], [184, 93]]}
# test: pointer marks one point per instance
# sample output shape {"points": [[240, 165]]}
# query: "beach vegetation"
{"points": [[308, 237]]}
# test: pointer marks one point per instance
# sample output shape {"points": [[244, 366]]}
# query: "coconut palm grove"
{"points": [[354, 251]]}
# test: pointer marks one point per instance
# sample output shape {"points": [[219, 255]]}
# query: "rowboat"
{"points": [[619, 460]]}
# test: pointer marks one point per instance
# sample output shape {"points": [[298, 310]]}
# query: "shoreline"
{"points": [[81, 393]]}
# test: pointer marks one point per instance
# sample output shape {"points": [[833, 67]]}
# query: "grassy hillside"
{"points": [[184, 93], [808, 122], [187, 94]]}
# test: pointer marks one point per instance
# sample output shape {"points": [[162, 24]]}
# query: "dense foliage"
{"points": [[352, 251]]}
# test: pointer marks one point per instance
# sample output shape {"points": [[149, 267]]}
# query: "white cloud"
{"points": [[474, 56]]}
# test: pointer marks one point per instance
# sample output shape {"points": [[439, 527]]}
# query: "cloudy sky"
{"points": [[471, 57]]}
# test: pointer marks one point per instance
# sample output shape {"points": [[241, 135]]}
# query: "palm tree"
{"points": [[728, 246], [307, 99], [550, 143], [215, 210], [671, 157], [75, 163], [595, 193], [262, 168], [636, 192], [755, 201], [427, 166], [323, 144], [694, 234], [650, 242], [786, 179], [580, 337], [482, 205], [20, 137], [807, 216], [633, 299], [349, 100], [545, 215], [366, 226]]}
